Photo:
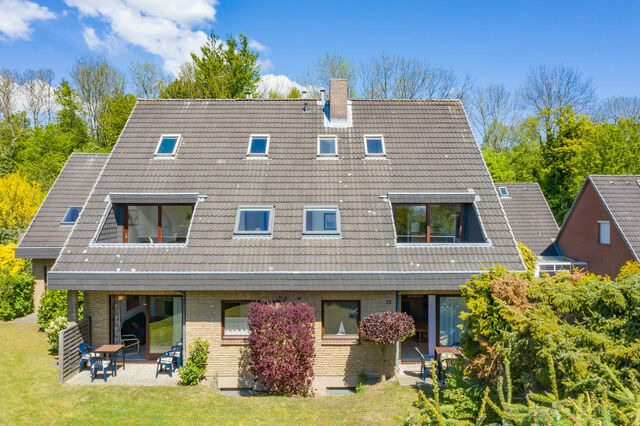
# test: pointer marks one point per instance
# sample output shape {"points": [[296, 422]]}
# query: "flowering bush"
{"points": [[53, 330], [281, 345], [386, 328]]}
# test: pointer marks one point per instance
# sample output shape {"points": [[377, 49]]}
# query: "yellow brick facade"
{"points": [[335, 365], [40, 268]]}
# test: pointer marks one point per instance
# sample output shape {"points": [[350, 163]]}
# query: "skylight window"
{"points": [[374, 146], [321, 221], [254, 221], [167, 146], [503, 191], [327, 146], [258, 146], [71, 215]]}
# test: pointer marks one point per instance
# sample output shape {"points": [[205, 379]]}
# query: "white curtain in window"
{"points": [[116, 339], [450, 309], [177, 320]]}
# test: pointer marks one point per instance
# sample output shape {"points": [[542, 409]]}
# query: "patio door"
{"points": [[417, 306], [164, 324]]}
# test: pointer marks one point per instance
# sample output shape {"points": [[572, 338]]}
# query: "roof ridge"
{"points": [[295, 99]]}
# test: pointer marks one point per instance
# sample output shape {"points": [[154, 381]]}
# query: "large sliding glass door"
{"points": [[450, 324], [165, 324]]}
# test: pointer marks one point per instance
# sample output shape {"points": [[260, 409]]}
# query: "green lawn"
{"points": [[30, 393]]}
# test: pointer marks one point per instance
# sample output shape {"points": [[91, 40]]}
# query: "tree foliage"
{"points": [[195, 366], [19, 200], [227, 69], [16, 295], [281, 345]]}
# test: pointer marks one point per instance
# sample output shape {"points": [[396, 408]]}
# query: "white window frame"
{"points": [[335, 141], [600, 223], [374, 155], [503, 191], [338, 230], [258, 155], [62, 222], [268, 233], [175, 148]]}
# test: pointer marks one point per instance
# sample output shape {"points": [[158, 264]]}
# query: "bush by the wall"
{"points": [[53, 304], [16, 295], [194, 369], [582, 321], [281, 346], [53, 329], [386, 328]]}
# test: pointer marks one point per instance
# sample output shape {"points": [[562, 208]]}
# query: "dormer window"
{"points": [[374, 146], [155, 223], [254, 221], [167, 146], [71, 216], [503, 191], [258, 146], [437, 223], [327, 146]]}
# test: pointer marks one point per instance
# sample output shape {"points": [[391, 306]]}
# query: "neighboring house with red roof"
{"points": [[603, 226]]}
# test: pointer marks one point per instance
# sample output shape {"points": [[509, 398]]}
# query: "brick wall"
{"points": [[39, 285], [579, 238], [335, 365]]}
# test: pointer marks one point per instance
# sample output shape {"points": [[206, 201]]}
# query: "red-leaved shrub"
{"points": [[386, 328], [281, 345]]}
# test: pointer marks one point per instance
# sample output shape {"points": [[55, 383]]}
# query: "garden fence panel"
{"points": [[68, 354]]}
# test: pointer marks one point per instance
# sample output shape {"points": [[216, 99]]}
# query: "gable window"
{"points": [[321, 221], [374, 146], [167, 146], [327, 146], [340, 319], [71, 215], [430, 223], [157, 223], [235, 319], [258, 146], [503, 191], [254, 220], [604, 232]]}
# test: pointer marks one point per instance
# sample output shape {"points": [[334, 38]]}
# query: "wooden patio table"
{"points": [[113, 350]]}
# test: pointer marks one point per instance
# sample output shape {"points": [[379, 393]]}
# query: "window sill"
{"points": [[375, 157], [234, 341], [257, 157], [440, 245], [340, 341]]}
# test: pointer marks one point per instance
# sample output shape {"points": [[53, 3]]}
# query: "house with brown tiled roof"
{"points": [[603, 226], [52, 223], [354, 206]]}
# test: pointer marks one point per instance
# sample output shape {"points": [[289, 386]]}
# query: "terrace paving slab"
{"points": [[135, 374]]}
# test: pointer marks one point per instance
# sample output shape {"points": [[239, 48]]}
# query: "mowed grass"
{"points": [[30, 393]]}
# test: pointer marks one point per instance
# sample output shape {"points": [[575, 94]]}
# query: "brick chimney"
{"points": [[338, 100]]}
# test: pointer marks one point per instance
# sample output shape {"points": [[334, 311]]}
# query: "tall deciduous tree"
{"points": [[148, 79], [331, 65], [618, 107], [552, 87], [96, 82], [118, 111], [38, 94], [386, 76], [69, 120], [492, 110], [227, 69]]}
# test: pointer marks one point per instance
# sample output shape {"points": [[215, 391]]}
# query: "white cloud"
{"points": [[168, 29], [280, 84], [265, 64], [256, 45], [96, 43], [17, 15]]}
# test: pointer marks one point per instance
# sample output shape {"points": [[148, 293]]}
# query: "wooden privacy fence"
{"points": [[68, 354]]}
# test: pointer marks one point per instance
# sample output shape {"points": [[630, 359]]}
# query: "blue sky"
{"points": [[495, 42]]}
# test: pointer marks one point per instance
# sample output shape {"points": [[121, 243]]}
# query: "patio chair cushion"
{"points": [[166, 360]]}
